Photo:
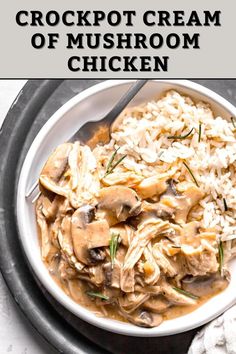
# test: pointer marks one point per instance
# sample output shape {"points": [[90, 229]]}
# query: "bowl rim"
{"points": [[39, 268]]}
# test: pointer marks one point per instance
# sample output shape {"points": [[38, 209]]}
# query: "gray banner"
{"points": [[201, 48]]}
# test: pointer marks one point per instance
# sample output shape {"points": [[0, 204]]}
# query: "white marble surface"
{"points": [[16, 334], [8, 91]]}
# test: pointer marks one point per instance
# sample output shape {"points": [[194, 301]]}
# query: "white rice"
{"points": [[143, 136]]}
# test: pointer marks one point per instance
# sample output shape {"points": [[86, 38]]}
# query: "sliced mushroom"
{"points": [[96, 254], [148, 319], [181, 204], [57, 162], [88, 234], [205, 285], [162, 211], [54, 187], [174, 296], [53, 171], [118, 203], [157, 304], [112, 275], [125, 232], [152, 210], [191, 195], [84, 215], [107, 268], [131, 301], [171, 189], [143, 318]]}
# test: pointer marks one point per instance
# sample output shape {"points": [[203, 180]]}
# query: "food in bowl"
{"points": [[142, 229]]}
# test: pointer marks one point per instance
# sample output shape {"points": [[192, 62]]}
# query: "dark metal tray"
{"points": [[65, 332]]}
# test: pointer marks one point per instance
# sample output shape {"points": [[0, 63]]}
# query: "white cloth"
{"points": [[217, 337]]}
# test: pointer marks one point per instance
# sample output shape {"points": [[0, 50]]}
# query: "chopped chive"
{"points": [[225, 204], [192, 175], [98, 295], [110, 166], [199, 132], [233, 122], [180, 136], [221, 257], [117, 163], [186, 293], [111, 160], [175, 246], [113, 247]]}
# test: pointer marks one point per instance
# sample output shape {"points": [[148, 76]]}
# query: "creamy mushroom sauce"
{"points": [[123, 246]]}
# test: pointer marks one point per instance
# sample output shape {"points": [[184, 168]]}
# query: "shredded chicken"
{"points": [[163, 262], [148, 230], [121, 243], [151, 268]]}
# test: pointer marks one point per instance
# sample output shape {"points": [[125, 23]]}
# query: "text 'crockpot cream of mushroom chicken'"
{"points": [[142, 229]]}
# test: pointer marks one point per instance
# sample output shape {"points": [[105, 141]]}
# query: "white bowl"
{"points": [[93, 103]]}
